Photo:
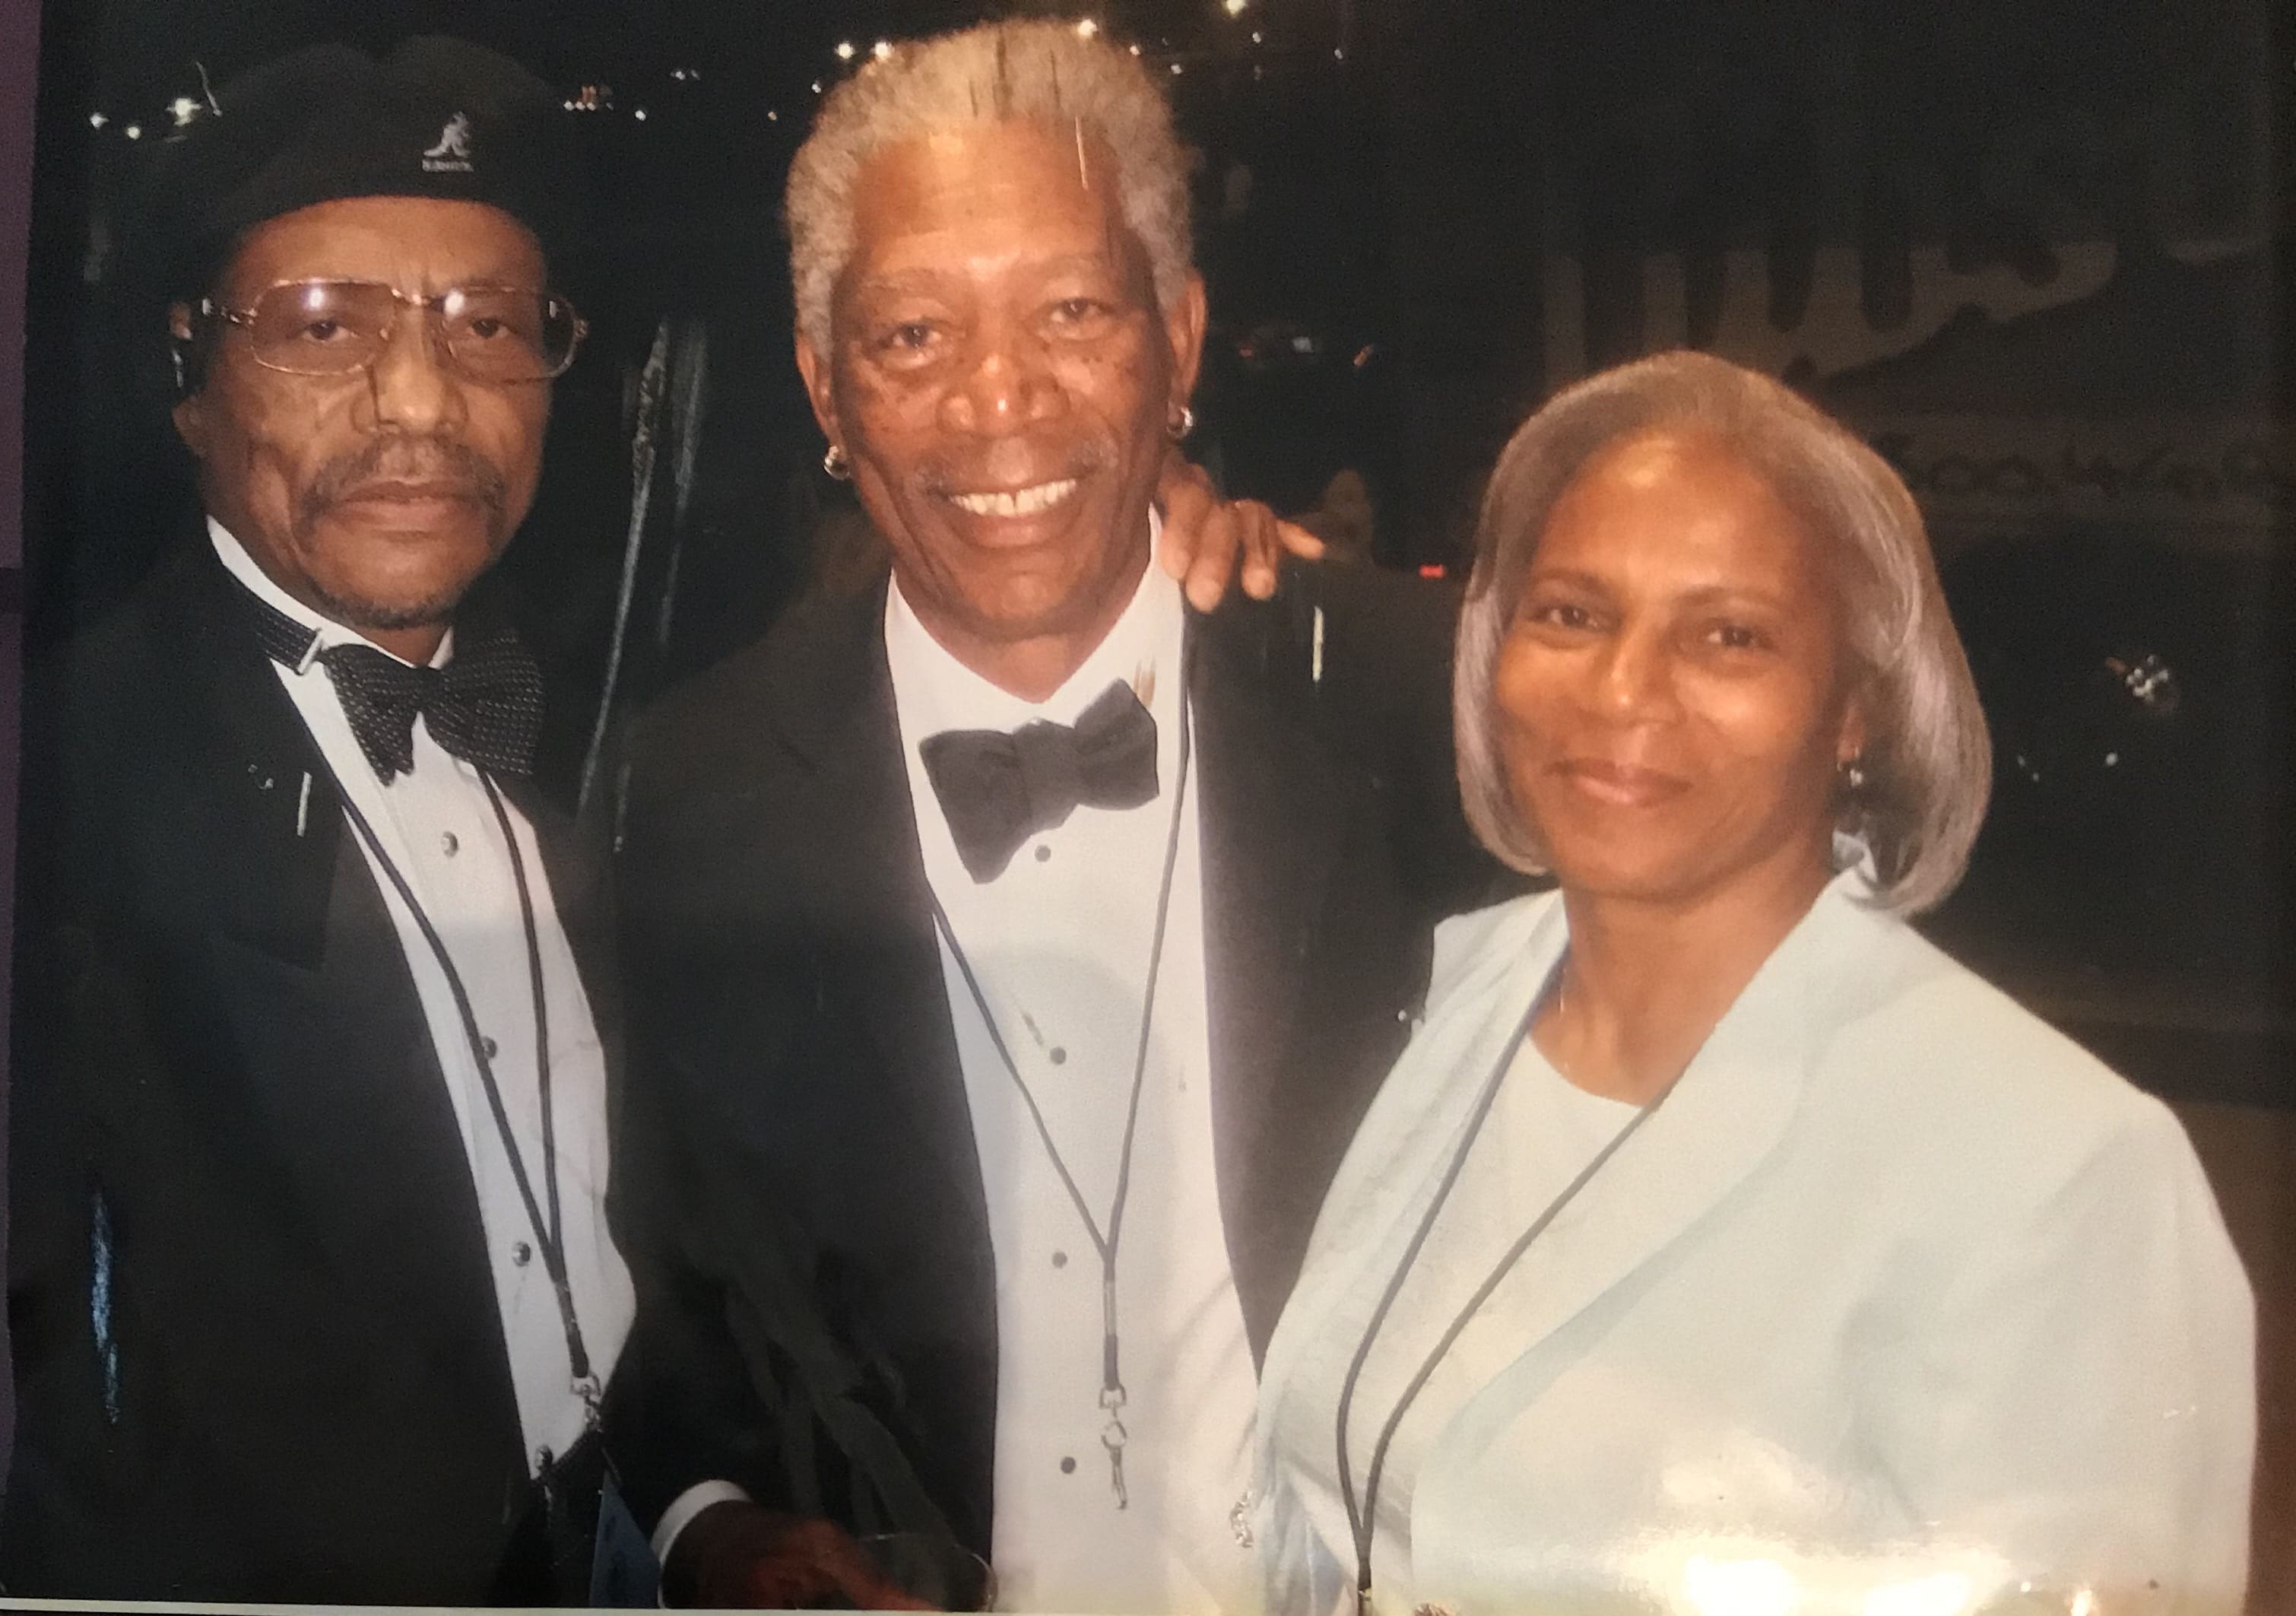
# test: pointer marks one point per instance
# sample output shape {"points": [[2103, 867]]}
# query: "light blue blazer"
{"points": [[1901, 1296]]}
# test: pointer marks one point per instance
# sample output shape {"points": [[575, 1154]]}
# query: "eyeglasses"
{"points": [[333, 328]]}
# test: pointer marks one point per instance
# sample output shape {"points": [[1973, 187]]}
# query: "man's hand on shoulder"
{"points": [[737, 1556], [1205, 537]]}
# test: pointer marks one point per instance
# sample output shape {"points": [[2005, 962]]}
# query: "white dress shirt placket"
{"points": [[1060, 943]]}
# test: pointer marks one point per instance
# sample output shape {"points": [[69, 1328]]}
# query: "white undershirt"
{"points": [[1060, 943], [1541, 1132], [439, 829]]}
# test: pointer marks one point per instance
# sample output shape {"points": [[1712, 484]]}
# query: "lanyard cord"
{"points": [[1361, 1516], [549, 1231], [1111, 1392]]}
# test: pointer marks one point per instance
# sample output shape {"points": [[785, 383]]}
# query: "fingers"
{"points": [[1209, 543], [843, 1563], [1219, 540], [1298, 541], [869, 1593], [1267, 539], [737, 1556], [816, 1558], [1186, 499]]}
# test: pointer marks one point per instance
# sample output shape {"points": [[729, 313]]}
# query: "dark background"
{"points": [[2036, 250], [19, 60], [2028, 246]]}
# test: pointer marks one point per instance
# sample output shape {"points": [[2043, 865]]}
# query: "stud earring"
{"points": [[1180, 425], [1851, 771], [833, 462]]}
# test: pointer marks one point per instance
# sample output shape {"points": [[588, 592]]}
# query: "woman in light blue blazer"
{"points": [[1719, 1245]]}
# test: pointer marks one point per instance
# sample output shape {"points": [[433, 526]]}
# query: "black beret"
{"points": [[435, 118]]}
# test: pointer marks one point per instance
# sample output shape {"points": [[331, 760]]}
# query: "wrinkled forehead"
{"points": [[1011, 188], [417, 244]]}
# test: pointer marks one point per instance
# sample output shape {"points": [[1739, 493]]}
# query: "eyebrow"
{"points": [[1703, 595], [932, 279], [499, 277]]}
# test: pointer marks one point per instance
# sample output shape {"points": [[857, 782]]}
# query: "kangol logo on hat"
{"points": [[452, 154], [433, 116]]}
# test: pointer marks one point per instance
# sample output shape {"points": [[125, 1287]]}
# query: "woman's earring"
{"points": [[833, 462], [1180, 425]]}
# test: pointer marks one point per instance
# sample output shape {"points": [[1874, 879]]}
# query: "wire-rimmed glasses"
{"points": [[333, 328]]}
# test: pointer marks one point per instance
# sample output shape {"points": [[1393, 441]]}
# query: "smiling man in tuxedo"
{"points": [[1013, 949]]}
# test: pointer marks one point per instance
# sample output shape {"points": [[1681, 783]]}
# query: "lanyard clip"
{"points": [[587, 1387]]}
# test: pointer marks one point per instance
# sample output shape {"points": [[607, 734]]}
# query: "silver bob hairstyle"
{"points": [[1928, 761], [1041, 72]]}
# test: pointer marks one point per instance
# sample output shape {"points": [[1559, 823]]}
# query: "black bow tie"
{"points": [[999, 790], [484, 707]]}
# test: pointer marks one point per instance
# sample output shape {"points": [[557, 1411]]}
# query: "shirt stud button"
{"points": [[1060, 1259], [1067, 1467], [450, 843], [522, 1253], [1057, 1055], [490, 1047], [1043, 853]]}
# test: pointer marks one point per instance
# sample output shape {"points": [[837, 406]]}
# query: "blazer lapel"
{"points": [[1271, 829], [1725, 1116], [829, 696], [259, 796], [361, 1114]]}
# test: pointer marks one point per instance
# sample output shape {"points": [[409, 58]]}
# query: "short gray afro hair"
{"points": [[1928, 760], [1042, 71]]}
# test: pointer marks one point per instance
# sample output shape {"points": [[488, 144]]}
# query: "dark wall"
{"points": [[2037, 252], [20, 55]]}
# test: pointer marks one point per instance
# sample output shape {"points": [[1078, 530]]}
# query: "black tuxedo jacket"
{"points": [[817, 1290], [258, 1350]]}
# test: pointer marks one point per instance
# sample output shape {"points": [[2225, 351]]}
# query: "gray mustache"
{"points": [[462, 468]]}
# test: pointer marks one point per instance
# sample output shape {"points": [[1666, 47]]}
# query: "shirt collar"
{"points": [[935, 692], [241, 566]]}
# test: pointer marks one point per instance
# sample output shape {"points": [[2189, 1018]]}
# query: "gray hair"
{"points": [[1042, 71], [1928, 760]]}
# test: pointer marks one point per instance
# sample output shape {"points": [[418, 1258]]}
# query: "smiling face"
{"points": [[1000, 377], [1672, 689], [376, 496]]}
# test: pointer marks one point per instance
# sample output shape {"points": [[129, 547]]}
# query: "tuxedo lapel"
{"points": [[346, 1075], [259, 800], [1726, 1115], [1271, 820], [830, 697], [333, 1058]]}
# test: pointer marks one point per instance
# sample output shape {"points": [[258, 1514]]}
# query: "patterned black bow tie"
{"points": [[999, 790], [484, 707]]}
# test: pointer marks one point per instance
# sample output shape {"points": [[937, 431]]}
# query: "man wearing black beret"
{"points": [[314, 1293], [312, 1284]]}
